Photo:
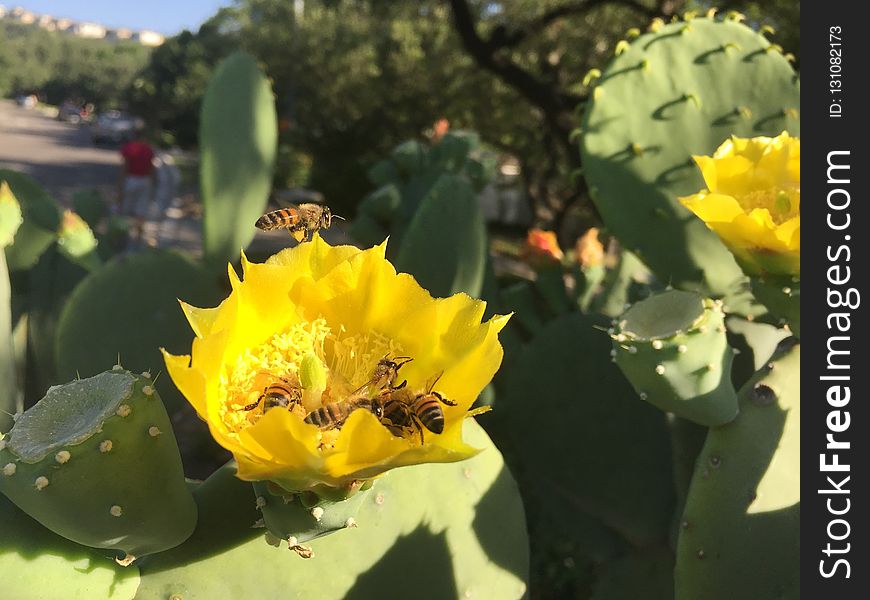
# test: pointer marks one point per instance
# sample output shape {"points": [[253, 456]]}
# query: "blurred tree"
{"points": [[169, 90], [62, 67]]}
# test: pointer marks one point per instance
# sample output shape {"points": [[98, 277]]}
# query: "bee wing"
{"points": [[430, 383]]}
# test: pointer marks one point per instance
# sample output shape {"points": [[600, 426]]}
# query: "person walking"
{"points": [[137, 183]]}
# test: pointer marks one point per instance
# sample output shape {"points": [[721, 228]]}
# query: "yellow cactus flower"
{"points": [[753, 201], [320, 318]]}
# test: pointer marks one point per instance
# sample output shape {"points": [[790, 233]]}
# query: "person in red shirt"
{"points": [[137, 184]]}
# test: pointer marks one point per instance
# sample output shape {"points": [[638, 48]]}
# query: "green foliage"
{"points": [[129, 309], [63, 67], [432, 530], [237, 143], [739, 534], [37, 563], [672, 348], [96, 462], [41, 220], [168, 91], [672, 94]]}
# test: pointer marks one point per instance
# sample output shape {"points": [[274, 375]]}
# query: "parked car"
{"points": [[72, 112], [115, 126]]}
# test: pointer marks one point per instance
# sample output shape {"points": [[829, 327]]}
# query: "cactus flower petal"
{"points": [[752, 201], [339, 309]]}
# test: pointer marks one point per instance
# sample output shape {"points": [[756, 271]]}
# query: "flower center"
{"points": [[782, 204], [299, 369]]}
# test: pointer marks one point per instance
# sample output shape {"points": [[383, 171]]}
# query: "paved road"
{"points": [[62, 158], [59, 156]]}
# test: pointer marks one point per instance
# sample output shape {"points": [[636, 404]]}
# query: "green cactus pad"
{"points": [[37, 563], [445, 245], [10, 215], [8, 375], [76, 241], [431, 531], [740, 531], [130, 308], [291, 515], [674, 93], [673, 349], [96, 462], [41, 220], [782, 296], [238, 132], [568, 416]]}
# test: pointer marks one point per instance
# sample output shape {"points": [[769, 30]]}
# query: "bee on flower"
{"points": [[328, 317]]}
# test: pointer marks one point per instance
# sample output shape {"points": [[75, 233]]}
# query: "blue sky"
{"points": [[166, 16]]}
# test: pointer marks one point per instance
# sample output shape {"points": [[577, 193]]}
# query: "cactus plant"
{"points": [[41, 220], [96, 462], [10, 220], [238, 137], [739, 534], [76, 241], [37, 563], [129, 308], [673, 349], [567, 416], [448, 225], [429, 530], [673, 93]]}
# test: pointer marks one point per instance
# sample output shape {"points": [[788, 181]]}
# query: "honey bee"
{"points": [[384, 375], [301, 220], [285, 394], [334, 414], [400, 410]]}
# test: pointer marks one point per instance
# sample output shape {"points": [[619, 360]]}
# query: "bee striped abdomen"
{"points": [[428, 409], [334, 414], [283, 218]]}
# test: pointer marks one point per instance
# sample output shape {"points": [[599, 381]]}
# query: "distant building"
{"points": [[2, 11], [148, 38], [47, 22], [23, 16], [64, 24], [89, 30], [122, 33]]}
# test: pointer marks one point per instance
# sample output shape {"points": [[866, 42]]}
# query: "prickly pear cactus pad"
{"points": [[434, 531], [671, 94], [305, 332], [96, 462], [740, 531], [673, 350]]}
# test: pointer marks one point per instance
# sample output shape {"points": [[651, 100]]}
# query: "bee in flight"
{"points": [[384, 375], [334, 414], [301, 220], [400, 410], [286, 393]]}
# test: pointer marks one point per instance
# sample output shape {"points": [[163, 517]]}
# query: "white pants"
{"points": [[138, 195]]}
